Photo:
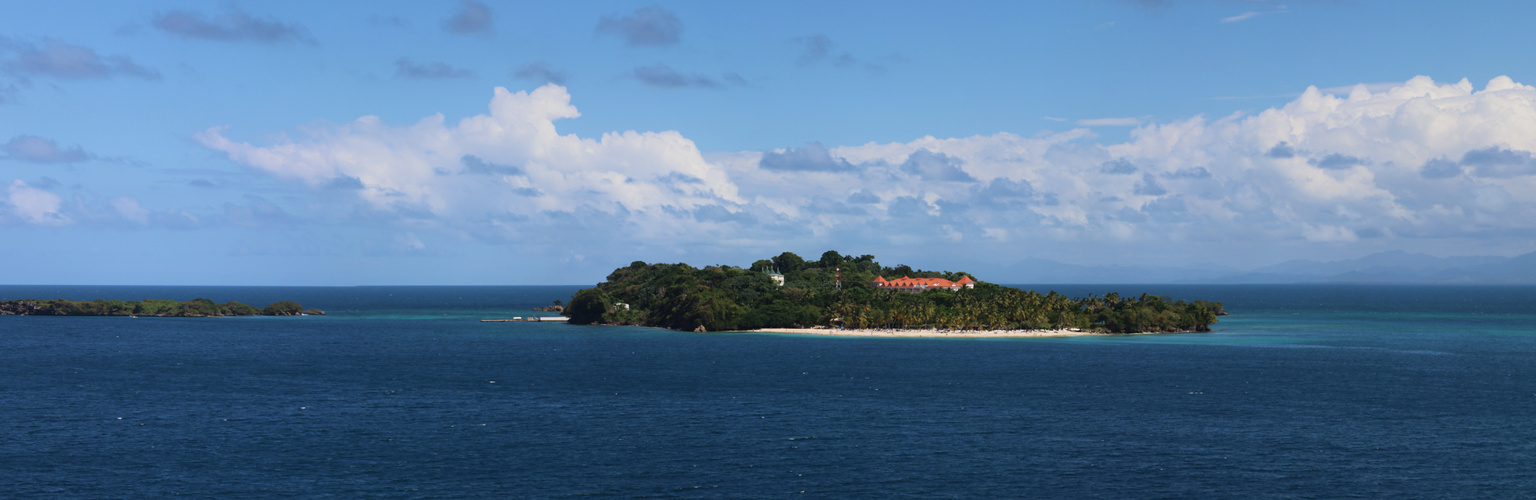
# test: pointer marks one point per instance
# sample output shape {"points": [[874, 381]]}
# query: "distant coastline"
{"points": [[195, 308]]}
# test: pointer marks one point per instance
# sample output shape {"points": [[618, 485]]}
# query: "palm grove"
{"points": [[724, 298]]}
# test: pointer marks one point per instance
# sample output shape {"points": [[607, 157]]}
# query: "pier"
{"points": [[529, 319]]}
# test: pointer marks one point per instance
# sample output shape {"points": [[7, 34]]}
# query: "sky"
{"points": [[526, 143]]}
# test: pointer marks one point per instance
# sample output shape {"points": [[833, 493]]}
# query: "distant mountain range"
{"points": [[1385, 267]]}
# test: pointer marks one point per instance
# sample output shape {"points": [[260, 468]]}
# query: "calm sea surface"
{"points": [[1303, 392]]}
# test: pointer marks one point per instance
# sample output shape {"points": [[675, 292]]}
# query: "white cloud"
{"points": [[421, 170], [35, 206], [1376, 87], [1422, 160], [1352, 165]]}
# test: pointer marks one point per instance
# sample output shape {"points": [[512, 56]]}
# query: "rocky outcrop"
{"points": [[27, 308]]}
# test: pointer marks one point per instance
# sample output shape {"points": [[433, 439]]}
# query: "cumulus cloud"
{"points": [[814, 157], [535, 174], [34, 149], [1321, 168], [1118, 166], [931, 166], [1377, 87], [1191, 173], [542, 72], [474, 165], [1499, 163], [1004, 189], [1149, 187], [1440, 168], [863, 197], [232, 26], [1336, 161], [1491, 162], [472, 18], [646, 27], [58, 59], [35, 206], [1423, 160], [406, 68]]}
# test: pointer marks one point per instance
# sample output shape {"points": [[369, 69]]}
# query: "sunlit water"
{"points": [[1305, 391]]}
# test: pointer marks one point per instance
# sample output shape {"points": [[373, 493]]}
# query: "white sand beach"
{"points": [[890, 332]]}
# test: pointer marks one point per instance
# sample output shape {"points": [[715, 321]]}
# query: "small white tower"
{"points": [[774, 275]]}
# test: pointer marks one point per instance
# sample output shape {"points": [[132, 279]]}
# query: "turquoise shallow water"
{"points": [[1305, 391]]}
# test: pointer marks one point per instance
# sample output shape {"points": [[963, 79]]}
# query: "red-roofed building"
{"points": [[917, 285]]}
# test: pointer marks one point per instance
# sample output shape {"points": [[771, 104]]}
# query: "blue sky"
{"points": [[339, 143]]}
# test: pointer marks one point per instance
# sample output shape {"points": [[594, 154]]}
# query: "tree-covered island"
{"points": [[195, 308], [728, 298]]}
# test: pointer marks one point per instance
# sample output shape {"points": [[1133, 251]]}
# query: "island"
{"points": [[839, 294], [195, 308]]}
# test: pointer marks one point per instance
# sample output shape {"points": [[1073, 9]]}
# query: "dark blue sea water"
{"points": [[1303, 392]]}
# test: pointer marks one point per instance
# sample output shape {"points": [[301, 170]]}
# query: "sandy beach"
{"points": [[888, 332]]}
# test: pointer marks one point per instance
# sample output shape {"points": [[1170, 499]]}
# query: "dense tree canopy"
{"points": [[716, 298]]}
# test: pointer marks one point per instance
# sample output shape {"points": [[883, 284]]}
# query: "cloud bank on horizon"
{"points": [[356, 144], [1417, 160], [1420, 160]]}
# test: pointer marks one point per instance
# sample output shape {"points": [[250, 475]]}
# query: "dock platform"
{"points": [[529, 319]]}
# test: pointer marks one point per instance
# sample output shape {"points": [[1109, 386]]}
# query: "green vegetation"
{"points": [[283, 308], [722, 298], [195, 308]]}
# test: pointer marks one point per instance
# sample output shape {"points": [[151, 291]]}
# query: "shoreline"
{"points": [[897, 332]]}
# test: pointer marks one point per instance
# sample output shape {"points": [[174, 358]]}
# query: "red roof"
{"points": [[910, 282]]}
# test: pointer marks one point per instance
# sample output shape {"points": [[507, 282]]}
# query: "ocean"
{"points": [[1304, 391]]}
